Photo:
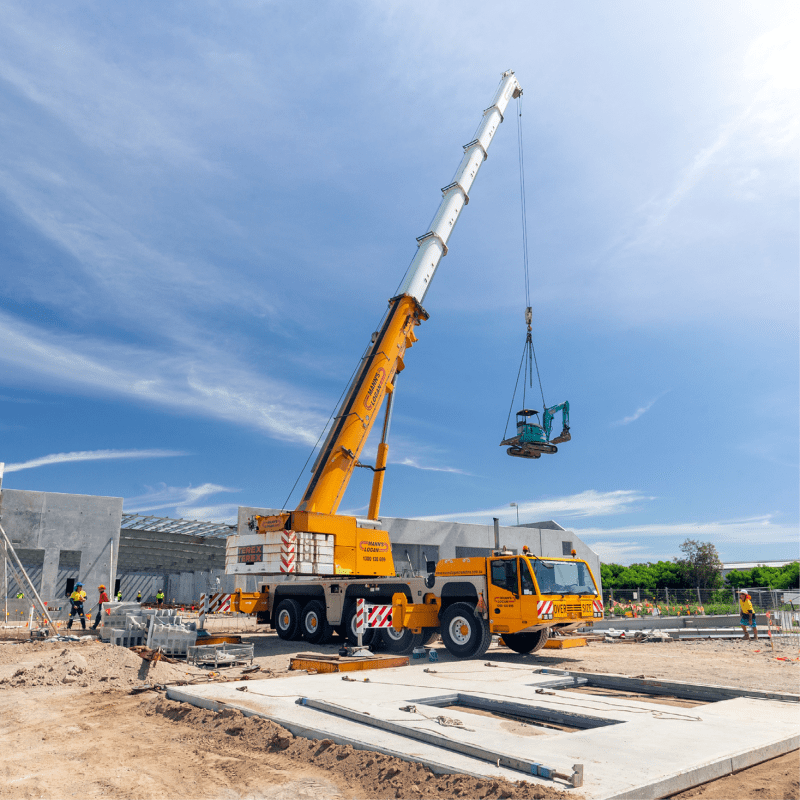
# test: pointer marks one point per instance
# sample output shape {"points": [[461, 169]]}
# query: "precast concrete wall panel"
{"points": [[54, 522]]}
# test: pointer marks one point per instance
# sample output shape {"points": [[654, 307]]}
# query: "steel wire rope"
{"points": [[333, 412], [523, 206], [529, 360], [525, 257], [519, 372]]}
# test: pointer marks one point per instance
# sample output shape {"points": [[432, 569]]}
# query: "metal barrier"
{"points": [[784, 628], [220, 654]]}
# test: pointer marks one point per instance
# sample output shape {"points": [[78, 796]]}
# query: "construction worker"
{"points": [[100, 600], [138, 597], [76, 601], [20, 595], [748, 615], [160, 597], [119, 596]]}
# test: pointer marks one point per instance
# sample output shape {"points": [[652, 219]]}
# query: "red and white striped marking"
{"points": [[598, 607], [218, 603], [544, 609], [360, 617], [288, 551], [379, 616]]}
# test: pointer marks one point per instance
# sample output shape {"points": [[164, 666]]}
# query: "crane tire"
{"points": [[287, 619], [402, 642], [526, 642], [349, 627], [314, 623], [432, 636], [464, 632]]}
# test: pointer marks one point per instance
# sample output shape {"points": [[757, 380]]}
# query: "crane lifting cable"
{"points": [[532, 438]]}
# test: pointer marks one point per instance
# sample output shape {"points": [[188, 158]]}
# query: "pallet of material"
{"points": [[322, 662]]}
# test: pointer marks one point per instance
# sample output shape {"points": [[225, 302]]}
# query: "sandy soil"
{"points": [[71, 728]]}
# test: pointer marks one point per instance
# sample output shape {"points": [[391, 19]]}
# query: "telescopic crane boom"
{"points": [[377, 373]]}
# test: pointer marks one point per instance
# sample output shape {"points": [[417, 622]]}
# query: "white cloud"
{"points": [[412, 462], [184, 501], [748, 530], [90, 455], [622, 552], [638, 413], [590, 503], [201, 381]]}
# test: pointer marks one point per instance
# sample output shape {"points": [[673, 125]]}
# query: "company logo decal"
{"points": [[375, 388], [251, 553], [373, 547]]}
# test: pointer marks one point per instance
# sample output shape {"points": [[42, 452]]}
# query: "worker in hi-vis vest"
{"points": [[160, 596], [76, 601], [100, 600], [747, 618]]}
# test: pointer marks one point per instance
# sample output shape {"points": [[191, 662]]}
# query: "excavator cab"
{"points": [[531, 439]]}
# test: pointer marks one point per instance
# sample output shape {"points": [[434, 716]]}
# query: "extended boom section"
{"points": [[314, 539]]}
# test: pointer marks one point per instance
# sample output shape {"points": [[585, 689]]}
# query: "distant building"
{"points": [[741, 566]]}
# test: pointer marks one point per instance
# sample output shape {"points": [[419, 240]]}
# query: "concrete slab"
{"points": [[628, 748]]}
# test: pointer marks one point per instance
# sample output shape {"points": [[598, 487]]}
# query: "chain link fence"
{"points": [[682, 602]]}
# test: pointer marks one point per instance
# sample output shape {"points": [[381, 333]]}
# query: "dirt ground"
{"points": [[72, 728]]}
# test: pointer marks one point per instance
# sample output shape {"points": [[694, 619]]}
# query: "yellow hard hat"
{"points": [[101, 586]]}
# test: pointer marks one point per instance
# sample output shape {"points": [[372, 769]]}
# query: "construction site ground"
{"points": [[72, 727]]}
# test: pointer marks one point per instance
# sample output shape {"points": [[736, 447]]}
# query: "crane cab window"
{"points": [[528, 586], [504, 575]]}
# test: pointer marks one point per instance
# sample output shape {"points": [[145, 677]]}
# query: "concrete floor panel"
{"points": [[633, 749]]}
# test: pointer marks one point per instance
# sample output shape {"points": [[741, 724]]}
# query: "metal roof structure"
{"points": [[190, 527]]}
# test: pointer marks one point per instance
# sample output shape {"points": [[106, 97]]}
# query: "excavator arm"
{"points": [[549, 413]]}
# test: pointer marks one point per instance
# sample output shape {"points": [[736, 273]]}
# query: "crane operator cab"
{"points": [[533, 439]]}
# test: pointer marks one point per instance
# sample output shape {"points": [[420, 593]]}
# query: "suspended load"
{"points": [[533, 438]]}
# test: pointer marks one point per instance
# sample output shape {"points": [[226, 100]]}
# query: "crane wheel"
{"points": [[431, 635], [401, 642], [314, 623], [526, 642], [287, 619], [464, 632]]}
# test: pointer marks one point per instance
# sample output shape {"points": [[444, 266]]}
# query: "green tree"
{"points": [[789, 577], [609, 574], [785, 577], [700, 565]]}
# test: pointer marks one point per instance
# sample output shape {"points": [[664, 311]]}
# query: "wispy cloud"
{"points": [[639, 412], [412, 462], [590, 503], [768, 122], [750, 529], [185, 502], [90, 455], [200, 379]]}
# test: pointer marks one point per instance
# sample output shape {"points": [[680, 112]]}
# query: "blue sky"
{"points": [[204, 208]]}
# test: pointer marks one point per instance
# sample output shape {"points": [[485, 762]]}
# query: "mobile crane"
{"points": [[337, 559]]}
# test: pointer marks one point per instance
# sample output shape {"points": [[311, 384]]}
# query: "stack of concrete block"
{"points": [[171, 639], [129, 625]]}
